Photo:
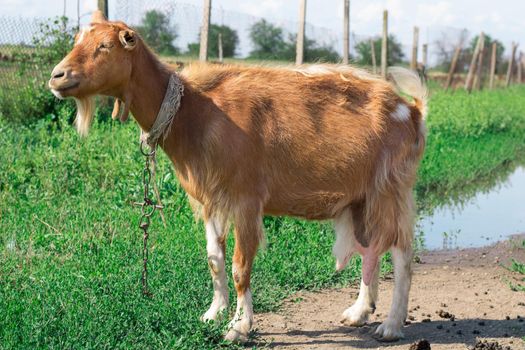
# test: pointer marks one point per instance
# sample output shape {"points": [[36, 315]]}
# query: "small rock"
{"points": [[445, 314], [439, 326], [422, 344], [481, 323], [507, 318], [425, 320]]}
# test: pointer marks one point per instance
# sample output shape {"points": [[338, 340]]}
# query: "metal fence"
{"points": [[186, 19], [17, 36]]}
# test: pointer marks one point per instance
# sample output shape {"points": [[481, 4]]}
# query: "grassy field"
{"points": [[70, 248]]}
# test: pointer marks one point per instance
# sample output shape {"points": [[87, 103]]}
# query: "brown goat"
{"points": [[320, 142]]}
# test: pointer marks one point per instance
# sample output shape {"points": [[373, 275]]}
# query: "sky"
{"points": [[500, 19]]}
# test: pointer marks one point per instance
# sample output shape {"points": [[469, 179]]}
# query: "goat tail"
{"points": [[409, 82]]}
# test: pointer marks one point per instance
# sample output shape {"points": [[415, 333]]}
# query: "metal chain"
{"points": [[147, 209]]}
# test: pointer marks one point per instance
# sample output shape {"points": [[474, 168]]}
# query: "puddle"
{"points": [[487, 216]]}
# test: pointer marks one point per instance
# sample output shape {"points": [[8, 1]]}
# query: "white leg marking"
{"points": [[214, 233], [241, 324], [390, 329], [344, 246], [402, 113], [357, 314]]}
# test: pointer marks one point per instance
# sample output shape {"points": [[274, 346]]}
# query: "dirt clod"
{"points": [[422, 344], [425, 320], [445, 314], [485, 345]]}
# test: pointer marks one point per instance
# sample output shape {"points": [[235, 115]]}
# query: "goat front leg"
{"points": [[216, 230], [390, 329], [248, 233]]}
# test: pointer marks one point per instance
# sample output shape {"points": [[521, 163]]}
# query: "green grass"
{"points": [[518, 267], [471, 138], [70, 247]]}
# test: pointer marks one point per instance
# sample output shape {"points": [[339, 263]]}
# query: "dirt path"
{"points": [[470, 284]]}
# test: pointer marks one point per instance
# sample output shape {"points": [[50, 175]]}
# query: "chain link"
{"points": [[147, 209]]}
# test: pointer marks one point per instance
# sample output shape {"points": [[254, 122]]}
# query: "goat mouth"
{"points": [[72, 85]]}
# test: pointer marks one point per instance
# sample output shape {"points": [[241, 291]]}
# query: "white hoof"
{"points": [[236, 336], [389, 331], [356, 315], [213, 313], [238, 331]]}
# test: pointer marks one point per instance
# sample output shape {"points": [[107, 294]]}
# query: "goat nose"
{"points": [[59, 74]]}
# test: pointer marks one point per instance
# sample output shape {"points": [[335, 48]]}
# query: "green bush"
{"points": [[26, 97]]}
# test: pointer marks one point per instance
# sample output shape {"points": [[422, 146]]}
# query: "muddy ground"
{"points": [[471, 284]]}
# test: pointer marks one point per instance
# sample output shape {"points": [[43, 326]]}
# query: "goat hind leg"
{"points": [[365, 305], [391, 328]]}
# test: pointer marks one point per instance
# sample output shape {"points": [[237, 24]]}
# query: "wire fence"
{"points": [[18, 48]]}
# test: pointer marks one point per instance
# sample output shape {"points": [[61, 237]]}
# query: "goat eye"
{"points": [[105, 46]]}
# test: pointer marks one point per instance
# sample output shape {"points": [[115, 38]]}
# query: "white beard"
{"points": [[85, 111]]}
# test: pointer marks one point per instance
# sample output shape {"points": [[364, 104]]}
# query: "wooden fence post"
{"points": [[520, 68], [384, 45], [219, 44], [415, 46], [346, 33], [472, 68], [103, 6], [299, 54], [479, 70], [511, 64], [453, 65], [424, 60], [374, 61], [203, 52], [493, 58]]}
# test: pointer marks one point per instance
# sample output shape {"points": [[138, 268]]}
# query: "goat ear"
{"points": [[98, 17], [128, 39]]}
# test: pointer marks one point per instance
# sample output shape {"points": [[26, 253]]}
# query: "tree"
{"points": [[445, 48], [230, 40], [395, 51], [159, 35], [269, 43], [487, 52], [267, 40]]}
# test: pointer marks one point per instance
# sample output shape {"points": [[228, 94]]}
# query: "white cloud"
{"points": [[439, 13]]}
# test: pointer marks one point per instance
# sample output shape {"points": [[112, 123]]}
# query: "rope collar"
{"points": [[168, 109]]}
